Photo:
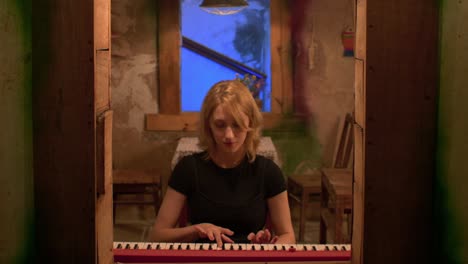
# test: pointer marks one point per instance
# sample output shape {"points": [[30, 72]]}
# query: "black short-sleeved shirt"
{"points": [[233, 198]]}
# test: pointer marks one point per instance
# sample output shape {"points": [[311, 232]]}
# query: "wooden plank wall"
{"points": [[64, 120], [397, 124]]}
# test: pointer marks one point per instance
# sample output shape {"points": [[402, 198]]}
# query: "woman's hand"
{"points": [[262, 237], [213, 232]]}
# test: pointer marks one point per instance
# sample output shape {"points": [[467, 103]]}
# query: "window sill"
{"points": [[189, 121]]}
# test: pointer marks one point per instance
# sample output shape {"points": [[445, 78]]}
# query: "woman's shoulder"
{"points": [[198, 156], [259, 159]]}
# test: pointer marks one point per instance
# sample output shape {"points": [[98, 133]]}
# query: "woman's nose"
{"points": [[229, 133]]}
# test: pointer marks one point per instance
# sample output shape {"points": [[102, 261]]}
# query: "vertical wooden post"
{"points": [[396, 57]]}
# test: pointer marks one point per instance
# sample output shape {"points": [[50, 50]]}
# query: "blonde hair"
{"points": [[236, 99]]}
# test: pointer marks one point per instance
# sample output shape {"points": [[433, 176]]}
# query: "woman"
{"points": [[229, 189]]}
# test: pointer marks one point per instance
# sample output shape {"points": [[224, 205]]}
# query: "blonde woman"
{"points": [[230, 191]]}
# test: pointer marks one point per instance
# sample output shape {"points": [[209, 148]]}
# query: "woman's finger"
{"points": [[227, 239], [259, 235], [226, 231], [201, 231], [210, 235], [266, 236], [217, 236], [274, 239]]}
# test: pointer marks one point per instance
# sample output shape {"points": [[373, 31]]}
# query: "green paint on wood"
{"points": [[16, 106], [450, 195]]}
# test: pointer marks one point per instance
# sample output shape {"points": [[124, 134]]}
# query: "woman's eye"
{"points": [[219, 125]]}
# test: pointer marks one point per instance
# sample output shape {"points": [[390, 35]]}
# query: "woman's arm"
{"points": [[280, 217], [164, 228]]}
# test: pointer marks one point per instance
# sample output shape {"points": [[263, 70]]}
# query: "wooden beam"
{"points": [[395, 187], [189, 121], [281, 59], [169, 43], [64, 132]]}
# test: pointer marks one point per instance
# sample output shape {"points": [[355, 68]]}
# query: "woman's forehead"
{"points": [[221, 112]]}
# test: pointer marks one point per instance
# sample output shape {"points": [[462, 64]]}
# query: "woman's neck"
{"points": [[227, 160]]}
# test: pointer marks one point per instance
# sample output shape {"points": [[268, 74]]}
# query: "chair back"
{"points": [[343, 149]]}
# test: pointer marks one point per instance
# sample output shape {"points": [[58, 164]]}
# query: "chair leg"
{"points": [[156, 200], [323, 231], [339, 211], [114, 206], [302, 215]]}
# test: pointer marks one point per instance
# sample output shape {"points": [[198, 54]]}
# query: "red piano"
{"points": [[140, 252]]}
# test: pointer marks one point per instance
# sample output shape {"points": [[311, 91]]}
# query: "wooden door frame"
{"points": [[396, 120], [396, 80]]}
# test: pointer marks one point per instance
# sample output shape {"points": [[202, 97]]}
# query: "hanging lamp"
{"points": [[223, 7]]}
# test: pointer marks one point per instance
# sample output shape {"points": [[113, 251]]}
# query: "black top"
{"points": [[233, 198]]}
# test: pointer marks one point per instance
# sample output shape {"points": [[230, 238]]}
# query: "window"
{"points": [[170, 115], [218, 47]]}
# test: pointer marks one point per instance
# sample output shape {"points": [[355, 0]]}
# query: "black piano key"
{"points": [[158, 246], [232, 247], [314, 248], [136, 246], [262, 247], [343, 248], [171, 246], [119, 246], [209, 247], [179, 247], [283, 247], [326, 248], [335, 248], [187, 247], [148, 246], [127, 246], [252, 247], [200, 247], [275, 247]]}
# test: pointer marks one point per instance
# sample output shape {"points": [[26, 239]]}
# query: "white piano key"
{"points": [[258, 246], [271, 247], [162, 245], [145, 245], [192, 246], [304, 247], [264, 247], [320, 247], [198, 246], [214, 246], [183, 246], [227, 246], [130, 245], [141, 245]]}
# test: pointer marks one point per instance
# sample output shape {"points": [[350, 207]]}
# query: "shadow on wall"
{"points": [[295, 141]]}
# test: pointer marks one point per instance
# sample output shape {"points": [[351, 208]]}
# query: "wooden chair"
{"points": [[136, 182], [336, 188], [306, 181]]}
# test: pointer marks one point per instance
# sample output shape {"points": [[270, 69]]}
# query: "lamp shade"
{"points": [[223, 7]]}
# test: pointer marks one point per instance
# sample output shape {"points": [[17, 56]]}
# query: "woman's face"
{"points": [[228, 135]]}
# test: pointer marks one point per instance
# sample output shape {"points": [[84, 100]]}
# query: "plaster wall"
{"points": [[134, 86]]}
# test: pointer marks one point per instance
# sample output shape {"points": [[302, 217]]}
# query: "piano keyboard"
{"points": [[140, 252]]}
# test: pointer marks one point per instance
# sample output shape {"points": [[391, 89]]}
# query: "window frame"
{"points": [[169, 116]]}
